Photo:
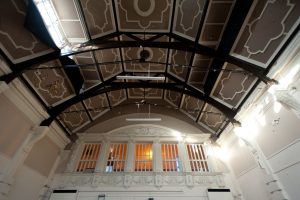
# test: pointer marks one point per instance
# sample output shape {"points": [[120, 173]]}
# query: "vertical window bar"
{"points": [[114, 160], [178, 161], [123, 156], [193, 158], [148, 159], [119, 157], [138, 154], [86, 156], [90, 156], [196, 158], [175, 158], [172, 157], [204, 158], [166, 161], [201, 157], [169, 156], [145, 157], [166, 152], [189, 154], [91, 162], [147, 166], [163, 156]]}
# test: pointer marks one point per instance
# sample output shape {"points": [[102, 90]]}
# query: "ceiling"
{"points": [[212, 53]]}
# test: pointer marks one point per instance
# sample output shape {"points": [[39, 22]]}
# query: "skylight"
{"points": [[51, 22]]}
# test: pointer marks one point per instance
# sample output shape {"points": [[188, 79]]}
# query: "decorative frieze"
{"points": [[136, 179]]}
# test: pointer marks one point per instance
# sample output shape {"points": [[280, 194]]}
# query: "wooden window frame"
{"points": [[170, 157], [143, 162], [89, 157], [197, 157], [116, 157]]}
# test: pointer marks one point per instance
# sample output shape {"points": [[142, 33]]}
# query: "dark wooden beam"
{"points": [[234, 24], [112, 86], [183, 46], [19, 68]]}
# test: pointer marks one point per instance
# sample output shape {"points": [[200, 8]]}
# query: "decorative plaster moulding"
{"points": [[143, 132], [129, 180]]}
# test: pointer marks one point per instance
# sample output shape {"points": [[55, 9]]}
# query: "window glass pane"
{"points": [[143, 157], [197, 158], [88, 158], [170, 158], [116, 157]]}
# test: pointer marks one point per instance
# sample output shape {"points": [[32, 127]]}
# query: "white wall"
{"points": [[286, 165], [20, 133], [278, 146], [253, 185], [27, 185]]}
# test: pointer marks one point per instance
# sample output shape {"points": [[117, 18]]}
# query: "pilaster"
{"points": [[184, 157], [7, 178], [272, 182], [102, 158], [157, 156], [129, 164]]}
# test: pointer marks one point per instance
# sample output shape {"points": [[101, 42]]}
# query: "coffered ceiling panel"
{"points": [[109, 55], [74, 117], [155, 55], [178, 57], [145, 93], [191, 106], [88, 69], [116, 97], [99, 16], [141, 15], [218, 13], [187, 17], [269, 24], [173, 97], [97, 105], [51, 84], [199, 71], [232, 85], [212, 118], [17, 42]]}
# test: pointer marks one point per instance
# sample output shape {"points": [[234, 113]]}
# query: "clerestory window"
{"points": [[143, 157], [116, 157], [89, 156], [197, 157], [170, 158]]}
